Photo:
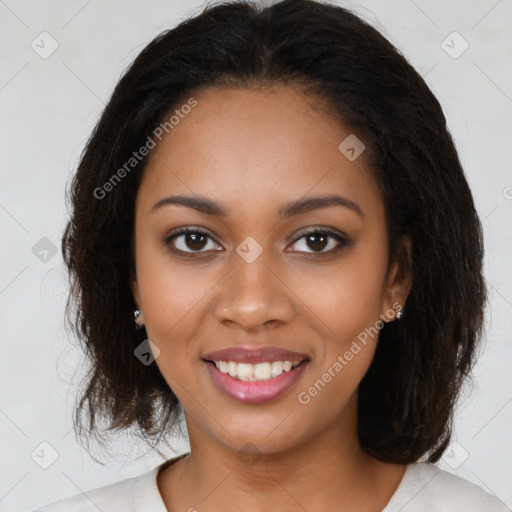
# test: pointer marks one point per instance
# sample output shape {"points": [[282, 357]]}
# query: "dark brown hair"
{"points": [[407, 398]]}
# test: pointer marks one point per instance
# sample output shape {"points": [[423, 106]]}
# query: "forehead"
{"points": [[244, 147]]}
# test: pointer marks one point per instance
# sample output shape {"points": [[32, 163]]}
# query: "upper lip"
{"points": [[254, 355]]}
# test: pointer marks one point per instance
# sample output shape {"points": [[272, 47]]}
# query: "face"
{"points": [[256, 279]]}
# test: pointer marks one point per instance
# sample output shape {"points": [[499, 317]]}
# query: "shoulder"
{"points": [[121, 496], [427, 488]]}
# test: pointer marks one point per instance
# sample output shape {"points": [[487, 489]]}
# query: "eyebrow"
{"points": [[297, 207]]}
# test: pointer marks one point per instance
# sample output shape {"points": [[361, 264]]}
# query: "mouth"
{"points": [[259, 372], [256, 382]]}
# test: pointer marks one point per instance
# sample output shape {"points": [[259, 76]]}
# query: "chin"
{"points": [[258, 432]]}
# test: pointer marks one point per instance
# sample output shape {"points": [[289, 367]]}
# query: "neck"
{"points": [[328, 468]]}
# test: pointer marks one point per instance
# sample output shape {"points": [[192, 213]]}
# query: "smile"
{"points": [[255, 383], [255, 372]]}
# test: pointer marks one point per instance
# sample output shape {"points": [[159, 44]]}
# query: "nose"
{"points": [[253, 296]]}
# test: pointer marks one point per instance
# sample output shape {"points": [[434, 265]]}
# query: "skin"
{"points": [[252, 150]]}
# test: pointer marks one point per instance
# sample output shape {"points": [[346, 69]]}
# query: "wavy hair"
{"points": [[407, 397]]}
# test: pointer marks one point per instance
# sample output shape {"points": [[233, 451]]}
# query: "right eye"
{"points": [[188, 238]]}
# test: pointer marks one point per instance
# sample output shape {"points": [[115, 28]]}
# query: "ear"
{"points": [[135, 291], [399, 281]]}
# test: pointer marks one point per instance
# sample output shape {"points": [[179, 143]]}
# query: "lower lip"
{"points": [[255, 392]]}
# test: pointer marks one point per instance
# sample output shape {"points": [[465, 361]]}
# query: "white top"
{"points": [[423, 488]]}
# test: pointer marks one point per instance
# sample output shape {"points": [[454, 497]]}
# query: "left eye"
{"points": [[318, 240]]}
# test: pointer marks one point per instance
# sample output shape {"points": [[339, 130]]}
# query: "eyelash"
{"points": [[322, 231]]}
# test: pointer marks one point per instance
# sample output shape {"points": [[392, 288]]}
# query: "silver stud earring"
{"points": [[139, 318], [399, 314]]}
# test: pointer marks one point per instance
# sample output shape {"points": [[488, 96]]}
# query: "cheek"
{"points": [[349, 305], [347, 298], [346, 305], [172, 296]]}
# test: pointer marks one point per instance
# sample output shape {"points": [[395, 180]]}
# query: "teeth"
{"points": [[232, 368], [245, 371], [276, 368], [253, 372]]}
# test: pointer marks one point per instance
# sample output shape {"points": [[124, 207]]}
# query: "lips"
{"points": [[256, 391], [253, 355]]}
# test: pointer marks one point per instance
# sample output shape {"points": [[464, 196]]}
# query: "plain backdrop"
{"points": [[48, 106]]}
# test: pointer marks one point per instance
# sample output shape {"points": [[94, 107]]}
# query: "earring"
{"points": [[139, 318], [399, 314]]}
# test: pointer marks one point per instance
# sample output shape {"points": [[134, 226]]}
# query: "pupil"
{"points": [[316, 236], [194, 237]]}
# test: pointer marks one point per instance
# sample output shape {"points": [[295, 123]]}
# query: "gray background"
{"points": [[48, 107]]}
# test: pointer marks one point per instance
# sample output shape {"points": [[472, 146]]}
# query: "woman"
{"points": [[272, 233]]}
